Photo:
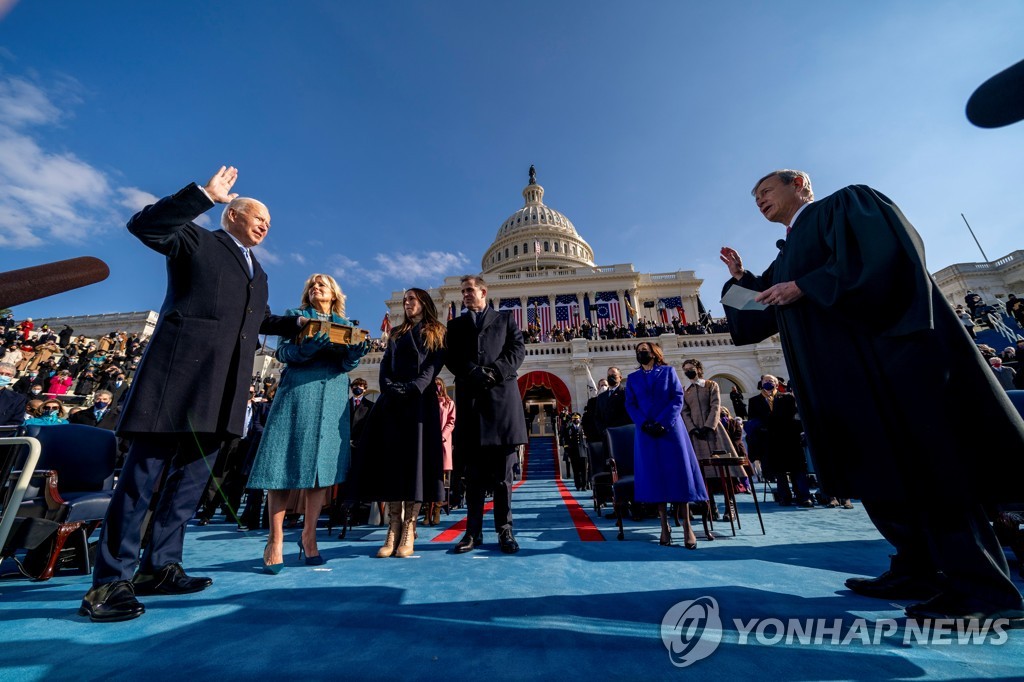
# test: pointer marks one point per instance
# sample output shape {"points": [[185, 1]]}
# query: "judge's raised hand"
{"points": [[782, 293], [219, 186], [733, 261]]}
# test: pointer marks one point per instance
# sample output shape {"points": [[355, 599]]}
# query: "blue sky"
{"points": [[390, 140]]}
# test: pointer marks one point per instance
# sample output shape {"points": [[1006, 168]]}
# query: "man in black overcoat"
{"points": [[774, 438], [485, 350], [925, 489], [190, 391]]}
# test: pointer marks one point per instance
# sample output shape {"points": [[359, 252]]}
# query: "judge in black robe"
{"points": [[850, 282]]}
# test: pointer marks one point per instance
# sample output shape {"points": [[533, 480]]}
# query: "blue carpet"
{"points": [[560, 607]]}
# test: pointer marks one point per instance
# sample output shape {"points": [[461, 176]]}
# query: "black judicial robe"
{"points": [[872, 330]]}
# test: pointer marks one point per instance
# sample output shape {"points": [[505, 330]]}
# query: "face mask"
{"points": [[36, 391], [101, 406], [725, 419], [49, 412], [358, 390], [768, 386], [690, 374], [644, 357], [612, 381], [5, 381]]}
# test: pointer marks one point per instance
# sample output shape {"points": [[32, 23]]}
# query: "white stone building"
{"points": [[540, 269]]}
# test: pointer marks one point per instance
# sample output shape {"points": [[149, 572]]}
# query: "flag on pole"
{"points": [[539, 312], [385, 325], [630, 312], [586, 308], [451, 311]]}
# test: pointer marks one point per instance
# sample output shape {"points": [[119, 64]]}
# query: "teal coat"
{"points": [[306, 440]]}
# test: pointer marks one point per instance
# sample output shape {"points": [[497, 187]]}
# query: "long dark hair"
{"points": [[659, 357], [433, 332]]}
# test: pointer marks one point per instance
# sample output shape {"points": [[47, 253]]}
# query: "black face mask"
{"points": [[690, 374], [358, 390], [613, 381], [644, 357]]}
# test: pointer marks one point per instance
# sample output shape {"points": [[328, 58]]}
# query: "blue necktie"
{"points": [[248, 260]]}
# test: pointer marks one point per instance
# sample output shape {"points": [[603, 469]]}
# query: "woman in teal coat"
{"points": [[305, 442]]}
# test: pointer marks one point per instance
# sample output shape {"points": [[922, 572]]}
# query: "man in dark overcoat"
{"points": [[924, 489], [190, 391], [773, 433], [485, 350]]}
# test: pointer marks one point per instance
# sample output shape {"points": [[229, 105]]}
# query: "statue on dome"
{"points": [[533, 175]]}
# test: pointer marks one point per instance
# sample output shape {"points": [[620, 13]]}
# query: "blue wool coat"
{"points": [[665, 468], [306, 439]]}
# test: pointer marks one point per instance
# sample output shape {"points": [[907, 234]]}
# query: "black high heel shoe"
{"points": [[691, 545], [310, 560], [665, 541]]}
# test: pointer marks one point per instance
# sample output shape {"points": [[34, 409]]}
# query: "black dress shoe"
{"points": [[170, 579], [111, 602], [947, 605], [467, 543], [507, 543], [891, 585]]}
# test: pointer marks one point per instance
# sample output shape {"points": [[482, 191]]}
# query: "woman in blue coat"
{"points": [[665, 468], [305, 443]]}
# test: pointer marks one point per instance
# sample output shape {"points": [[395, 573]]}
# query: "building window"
{"points": [[506, 253], [556, 247], [515, 250], [547, 246]]}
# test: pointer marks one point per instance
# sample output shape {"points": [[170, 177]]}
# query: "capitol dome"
{"points": [[535, 226]]}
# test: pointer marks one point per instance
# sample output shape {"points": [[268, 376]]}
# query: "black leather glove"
{"points": [[695, 432], [706, 432], [483, 377], [397, 390], [653, 428]]}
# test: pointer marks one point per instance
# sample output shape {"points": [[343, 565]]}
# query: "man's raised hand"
{"points": [[733, 261], [219, 186]]}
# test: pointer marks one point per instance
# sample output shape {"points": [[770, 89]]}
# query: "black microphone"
{"points": [[781, 244]]}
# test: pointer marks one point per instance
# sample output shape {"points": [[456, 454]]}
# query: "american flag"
{"points": [[515, 307], [607, 306], [536, 247], [538, 312], [567, 311], [385, 325], [672, 302]]}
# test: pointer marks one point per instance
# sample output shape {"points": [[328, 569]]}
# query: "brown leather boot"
{"points": [[394, 530], [407, 545]]}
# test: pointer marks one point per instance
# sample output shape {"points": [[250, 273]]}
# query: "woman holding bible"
{"points": [[305, 443]]}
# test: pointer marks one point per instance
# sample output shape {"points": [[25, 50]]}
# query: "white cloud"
{"points": [[22, 103], [204, 220], [298, 258], [418, 269], [264, 255], [339, 266], [47, 195], [135, 199]]}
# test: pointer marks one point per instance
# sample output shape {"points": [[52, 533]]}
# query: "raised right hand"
{"points": [[733, 261], [219, 186]]}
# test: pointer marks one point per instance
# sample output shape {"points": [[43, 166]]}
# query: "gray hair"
{"points": [[7, 365], [105, 392], [238, 204], [787, 176]]}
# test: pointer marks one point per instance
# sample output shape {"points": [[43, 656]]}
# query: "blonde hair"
{"points": [[338, 302]]}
